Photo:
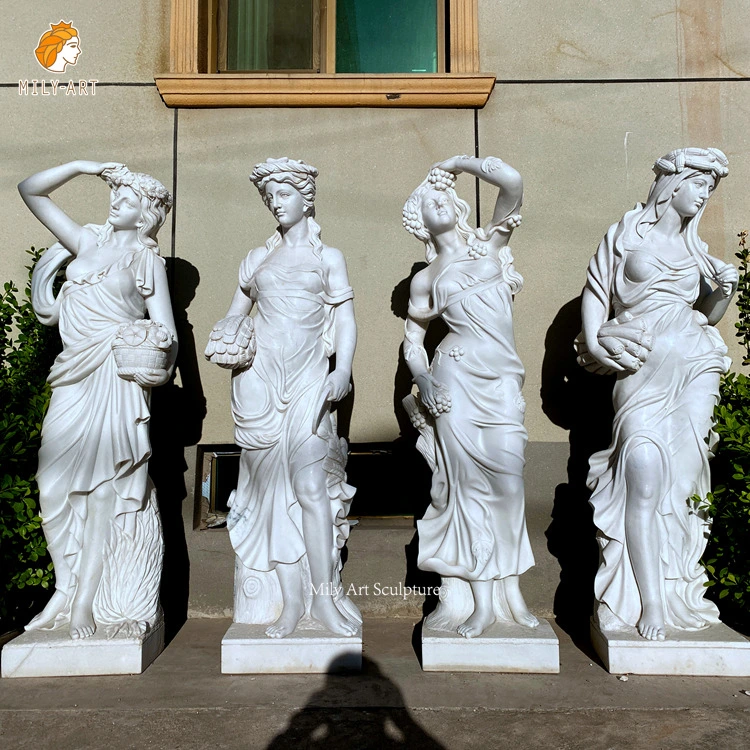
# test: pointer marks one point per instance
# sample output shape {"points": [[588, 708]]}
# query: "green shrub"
{"points": [[727, 556], [27, 350]]}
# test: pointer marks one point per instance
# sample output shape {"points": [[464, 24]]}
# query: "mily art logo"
{"points": [[58, 47]]}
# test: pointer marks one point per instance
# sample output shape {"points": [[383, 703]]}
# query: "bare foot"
{"points": [[46, 617], [517, 605], [651, 625], [82, 624], [475, 625], [287, 621], [326, 612]]}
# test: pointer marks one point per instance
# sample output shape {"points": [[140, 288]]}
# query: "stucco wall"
{"points": [[584, 149]]}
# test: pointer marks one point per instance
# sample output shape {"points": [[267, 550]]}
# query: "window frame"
{"points": [[193, 43]]}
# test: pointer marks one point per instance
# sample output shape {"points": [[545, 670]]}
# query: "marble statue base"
{"points": [[246, 649], [716, 651], [52, 653], [504, 647]]}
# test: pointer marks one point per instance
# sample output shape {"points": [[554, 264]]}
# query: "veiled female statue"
{"points": [[652, 299], [287, 518], [470, 409], [97, 502]]}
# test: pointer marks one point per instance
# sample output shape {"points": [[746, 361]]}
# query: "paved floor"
{"points": [[183, 701]]}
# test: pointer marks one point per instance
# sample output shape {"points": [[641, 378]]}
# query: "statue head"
{"points": [[685, 179], [154, 199], [679, 172], [434, 207], [268, 176], [299, 175], [58, 47]]}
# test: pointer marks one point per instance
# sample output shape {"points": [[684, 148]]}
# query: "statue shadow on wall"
{"points": [[414, 475], [177, 414], [580, 402], [329, 720]]}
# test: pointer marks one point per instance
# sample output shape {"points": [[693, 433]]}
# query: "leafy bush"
{"points": [[27, 350], [727, 556]]}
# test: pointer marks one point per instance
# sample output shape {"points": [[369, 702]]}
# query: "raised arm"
{"points": [[35, 192], [495, 172], [345, 326]]}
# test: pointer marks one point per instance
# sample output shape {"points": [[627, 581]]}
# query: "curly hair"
{"points": [[413, 222], [156, 202], [301, 177]]}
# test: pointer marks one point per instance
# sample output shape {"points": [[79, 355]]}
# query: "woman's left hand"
{"points": [[151, 378], [338, 385], [450, 165], [728, 279]]}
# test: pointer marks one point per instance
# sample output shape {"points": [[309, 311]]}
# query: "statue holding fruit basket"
{"points": [[98, 505]]}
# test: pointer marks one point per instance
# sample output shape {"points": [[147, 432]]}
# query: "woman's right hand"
{"points": [[597, 359], [434, 395], [95, 168]]}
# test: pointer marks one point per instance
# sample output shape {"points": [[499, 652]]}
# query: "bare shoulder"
{"points": [[333, 257], [254, 258], [421, 282]]}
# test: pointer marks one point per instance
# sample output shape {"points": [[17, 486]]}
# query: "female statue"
{"points": [[97, 505], [470, 408], [287, 519], [649, 312]]}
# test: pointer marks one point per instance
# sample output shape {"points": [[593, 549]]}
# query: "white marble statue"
{"points": [[652, 298], [288, 515], [470, 408], [97, 503]]}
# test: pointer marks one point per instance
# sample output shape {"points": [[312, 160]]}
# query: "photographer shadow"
{"points": [[330, 721]]}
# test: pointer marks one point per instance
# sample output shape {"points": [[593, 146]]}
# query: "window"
{"points": [[390, 36], [324, 53], [367, 36], [259, 35]]}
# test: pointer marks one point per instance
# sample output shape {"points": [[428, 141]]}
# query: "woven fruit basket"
{"points": [[141, 346]]}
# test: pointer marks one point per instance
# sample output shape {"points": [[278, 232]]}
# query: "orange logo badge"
{"points": [[58, 47]]}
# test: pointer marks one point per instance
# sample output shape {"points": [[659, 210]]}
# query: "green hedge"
{"points": [[727, 557], [27, 350]]}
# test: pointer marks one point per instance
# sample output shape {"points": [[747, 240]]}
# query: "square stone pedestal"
{"points": [[52, 653], [246, 649], [717, 651], [504, 647]]}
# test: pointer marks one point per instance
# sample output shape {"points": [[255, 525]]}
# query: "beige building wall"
{"points": [[585, 101]]}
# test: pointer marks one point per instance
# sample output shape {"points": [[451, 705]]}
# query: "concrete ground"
{"points": [[183, 701]]}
